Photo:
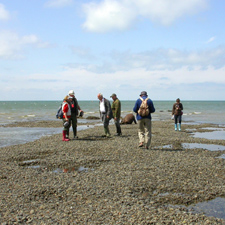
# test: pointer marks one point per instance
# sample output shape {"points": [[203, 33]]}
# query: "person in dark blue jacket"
{"points": [[144, 122]]}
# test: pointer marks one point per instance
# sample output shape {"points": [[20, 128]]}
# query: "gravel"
{"points": [[96, 180]]}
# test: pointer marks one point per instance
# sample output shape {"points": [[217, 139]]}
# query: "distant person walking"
{"points": [[116, 110], [74, 112], [66, 117], [144, 119], [105, 113], [177, 112]]}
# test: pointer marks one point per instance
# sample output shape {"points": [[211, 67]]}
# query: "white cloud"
{"points": [[128, 83], [210, 40], [159, 59], [108, 15], [12, 45], [58, 3], [4, 14], [120, 15], [82, 52]]}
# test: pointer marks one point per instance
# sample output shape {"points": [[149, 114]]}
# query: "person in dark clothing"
{"points": [[177, 112], [105, 113], [75, 108]]}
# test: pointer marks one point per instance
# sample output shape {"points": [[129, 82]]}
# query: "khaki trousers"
{"points": [[145, 131]]}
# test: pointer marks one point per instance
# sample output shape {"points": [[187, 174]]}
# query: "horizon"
{"points": [[168, 48], [112, 100]]}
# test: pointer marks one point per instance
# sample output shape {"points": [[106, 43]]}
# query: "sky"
{"points": [[169, 48]]}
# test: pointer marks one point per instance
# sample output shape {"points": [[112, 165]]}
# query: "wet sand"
{"points": [[96, 180]]}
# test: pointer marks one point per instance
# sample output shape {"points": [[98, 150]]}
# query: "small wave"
{"points": [[29, 116], [197, 112]]}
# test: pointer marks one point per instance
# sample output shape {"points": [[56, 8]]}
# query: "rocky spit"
{"points": [[97, 180]]}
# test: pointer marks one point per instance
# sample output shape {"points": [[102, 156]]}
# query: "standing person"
{"points": [[74, 112], [177, 112], [66, 117], [116, 110], [105, 113], [144, 122]]}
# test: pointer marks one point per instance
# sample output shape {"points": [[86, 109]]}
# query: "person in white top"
{"points": [[105, 113]]}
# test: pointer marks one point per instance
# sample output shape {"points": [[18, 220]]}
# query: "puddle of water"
{"points": [[34, 167], [222, 156], [31, 161], [58, 170], [190, 129], [215, 207], [214, 135], [212, 128], [191, 123], [209, 147], [168, 146], [83, 169]]}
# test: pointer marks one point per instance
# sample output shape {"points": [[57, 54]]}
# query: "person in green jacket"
{"points": [[116, 110]]}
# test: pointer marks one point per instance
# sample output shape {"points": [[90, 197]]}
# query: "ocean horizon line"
{"points": [[119, 99]]}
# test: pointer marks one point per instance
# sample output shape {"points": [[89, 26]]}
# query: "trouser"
{"points": [[105, 121], [117, 124], [145, 131], [73, 119], [177, 118]]}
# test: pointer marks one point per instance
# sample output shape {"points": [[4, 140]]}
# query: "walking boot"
{"points": [[179, 126], [64, 136], [75, 134], [175, 127], [107, 132]]}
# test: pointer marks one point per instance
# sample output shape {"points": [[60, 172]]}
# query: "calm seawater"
{"points": [[18, 111]]}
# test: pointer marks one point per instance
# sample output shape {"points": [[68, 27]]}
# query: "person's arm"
{"points": [[151, 106], [181, 106], [116, 105], [173, 109], [65, 110], [135, 109], [107, 108]]}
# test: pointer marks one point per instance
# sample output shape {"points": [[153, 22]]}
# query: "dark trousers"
{"points": [[117, 124], [177, 118]]}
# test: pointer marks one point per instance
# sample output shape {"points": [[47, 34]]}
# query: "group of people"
{"points": [[70, 108], [107, 111]]}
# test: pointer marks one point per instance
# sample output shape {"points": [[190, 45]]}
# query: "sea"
{"points": [[30, 111]]}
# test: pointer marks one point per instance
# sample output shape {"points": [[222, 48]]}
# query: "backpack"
{"points": [[143, 110], [59, 114]]}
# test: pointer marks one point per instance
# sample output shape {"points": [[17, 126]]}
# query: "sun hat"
{"points": [[71, 92], [113, 95], [66, 124], [143, 93]]}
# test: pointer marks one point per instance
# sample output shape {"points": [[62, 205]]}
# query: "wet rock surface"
{"points": [[95, 180]]}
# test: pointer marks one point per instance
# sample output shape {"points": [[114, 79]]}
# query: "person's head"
{"points": [[100, 96], [71, 93], [178, 100], [113, 96], [143, 93], [68, 98]]}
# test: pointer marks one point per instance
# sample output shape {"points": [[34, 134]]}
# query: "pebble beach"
{"points": [[97, 180]]}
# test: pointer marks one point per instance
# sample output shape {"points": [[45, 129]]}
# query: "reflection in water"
{"points": [[210, 147], [215, 207], [214, 135]]}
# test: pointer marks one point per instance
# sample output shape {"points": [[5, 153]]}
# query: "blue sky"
{"points": [[170, 48]]}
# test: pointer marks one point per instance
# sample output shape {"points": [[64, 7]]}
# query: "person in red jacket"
{"points": [[66, 117]]}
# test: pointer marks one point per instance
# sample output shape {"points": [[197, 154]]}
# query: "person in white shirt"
{"points": [[105, 113]]}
